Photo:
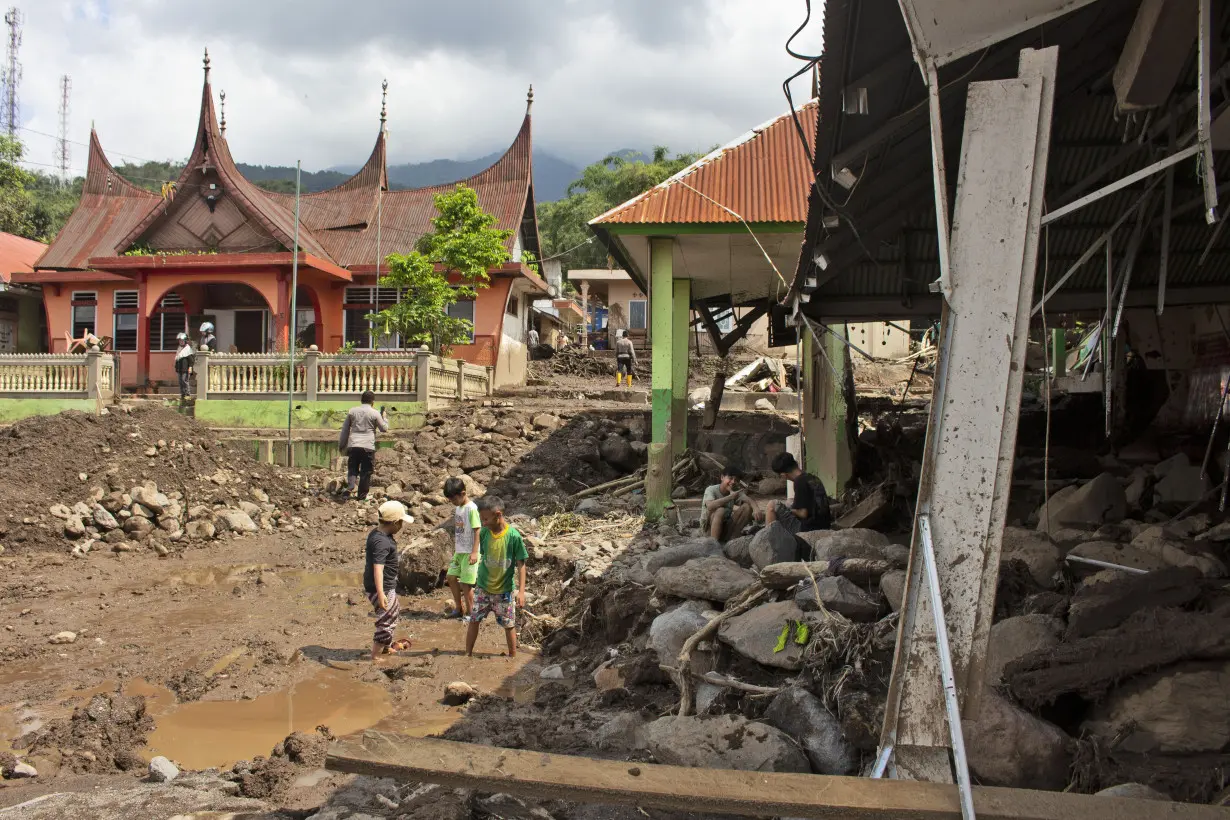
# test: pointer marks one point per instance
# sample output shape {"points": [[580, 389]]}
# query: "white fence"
{"points": [[57, 375], [405, 376]]}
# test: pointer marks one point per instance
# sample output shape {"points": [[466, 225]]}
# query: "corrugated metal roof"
{"points": [[18, 255], [340, 225], [764, 176]]}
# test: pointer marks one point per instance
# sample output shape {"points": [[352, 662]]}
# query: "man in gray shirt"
{"points": [[358, 441]]}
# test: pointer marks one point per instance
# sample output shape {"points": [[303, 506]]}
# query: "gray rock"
{"points": [[1119, 554], [1156, 541], [1166, 466], [754, 635], [1180, 710], [840, 595], [545, 421], [60, 511], [672, 628], [22, 769], [713, 578], [74, 527], [234, 521], [800, 714], [1007, 746], [138, 527], [1097, 502], [1014, 638], [151, 499], [617, 451], [252, 510], [591, 506], [1182, 485], [1133, 791], [82, 510], [892, 587], [680, 553], [624, 733], [724, 742], [739, 550], [64, 637], [853, 543], [1036, 551], [104, 520], [773, 545], [200, 529], [162, 770]]}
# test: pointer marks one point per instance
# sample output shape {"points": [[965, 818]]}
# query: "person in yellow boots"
{"points": [[625, 358]]}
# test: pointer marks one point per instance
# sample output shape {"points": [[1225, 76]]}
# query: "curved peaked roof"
{"points": [[341, 224], [109, 208], [764, 176]]}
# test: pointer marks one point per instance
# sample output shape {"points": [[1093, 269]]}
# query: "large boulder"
{"points": [[724, 742], [1181, 710], [1014, 638], [1120, 554], [773, 545], [670, 630], [739, 550], [421, 560], [234, 521], [617, 451], [104, 520], [1097, 502], [680, 553], [624, 608], [802, 715], [1034, 550], [840, 595], [855, 543], [714, 578], [755, 635], [1156, 541], [1179, 482], [1007, 746], [892, 587]]}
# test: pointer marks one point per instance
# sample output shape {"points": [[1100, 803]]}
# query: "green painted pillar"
{"points": [[681, 307], [662, 327], [1059, 351], [826, 433]]}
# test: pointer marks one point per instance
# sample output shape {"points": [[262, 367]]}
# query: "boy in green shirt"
{"points": [[500, 587]]}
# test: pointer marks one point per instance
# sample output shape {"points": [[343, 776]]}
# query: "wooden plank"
{"points": [[543, 776]]}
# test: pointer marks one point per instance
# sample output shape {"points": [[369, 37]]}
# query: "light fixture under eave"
{"points": [[845, 178], [810, 283], [822, 261], [832, 221]]}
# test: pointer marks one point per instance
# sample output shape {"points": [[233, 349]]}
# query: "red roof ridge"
{"points": [[102, 178]]}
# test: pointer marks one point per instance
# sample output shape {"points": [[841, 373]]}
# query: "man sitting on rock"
{"points": [[725, 508], [810, 508]]}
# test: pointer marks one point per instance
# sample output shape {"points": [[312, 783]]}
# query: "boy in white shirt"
{"points": [[463, 569]]}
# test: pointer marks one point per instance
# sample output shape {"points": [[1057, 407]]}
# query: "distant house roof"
{"points": [[763, 176], [18, 254], [348, 225]]}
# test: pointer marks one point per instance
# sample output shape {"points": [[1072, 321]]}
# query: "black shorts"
{"points": [[623, 365]]}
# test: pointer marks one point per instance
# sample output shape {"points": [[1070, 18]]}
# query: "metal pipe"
{"points": [[960, 761], [1093, 562], [881, 762], [940, 174], [1204, 117], [290, 329], [1129, 263], [1119, 185]]}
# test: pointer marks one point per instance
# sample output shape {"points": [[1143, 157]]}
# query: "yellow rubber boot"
{"points": [[619, 379]]}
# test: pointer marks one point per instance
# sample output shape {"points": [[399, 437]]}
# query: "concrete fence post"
{"points": [[200, 364], [461, 380], [422, 377], [93, 373], [490, 380], [311, 373]]}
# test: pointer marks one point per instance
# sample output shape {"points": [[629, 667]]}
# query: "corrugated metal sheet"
{"points": [[764, 176], [338, 225], [18, 255]]}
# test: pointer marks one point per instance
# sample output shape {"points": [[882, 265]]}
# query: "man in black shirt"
{"points": [[810, 508], [380, 576]]}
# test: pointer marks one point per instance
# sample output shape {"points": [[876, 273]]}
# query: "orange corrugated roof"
{"points": [[764, 176], [18, 254]]}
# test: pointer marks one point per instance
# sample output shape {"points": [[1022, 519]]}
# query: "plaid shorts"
{"points": [[501, 603]]}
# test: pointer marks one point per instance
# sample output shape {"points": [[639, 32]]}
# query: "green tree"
{"points": [[447, 265], [603, 185], [53, 202], [15, 199], [150, 175]]}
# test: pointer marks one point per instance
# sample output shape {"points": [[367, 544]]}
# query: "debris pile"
{"points": [[579, 363], [101, 737], [147, 477]]}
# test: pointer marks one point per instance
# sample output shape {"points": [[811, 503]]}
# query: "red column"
{"points": [[281, 319], [143, 311]]}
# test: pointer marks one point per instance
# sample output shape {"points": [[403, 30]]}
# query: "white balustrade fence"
{"points": [[395, 375], [57, 375]]}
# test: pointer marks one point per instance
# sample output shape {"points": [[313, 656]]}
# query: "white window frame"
{"points": [[83, 296], [122, 300]]}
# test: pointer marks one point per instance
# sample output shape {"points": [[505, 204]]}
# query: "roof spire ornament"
{"points": [[384, 103], [529, 99], [206, 64], [222, 124]]}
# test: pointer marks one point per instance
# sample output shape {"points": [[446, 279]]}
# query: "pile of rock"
{"points": [[144, 515]]}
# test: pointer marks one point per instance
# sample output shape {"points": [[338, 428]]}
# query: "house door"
{"points": [[250, 331]]}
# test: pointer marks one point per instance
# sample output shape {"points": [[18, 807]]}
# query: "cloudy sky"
{"points": [[302, 78]]}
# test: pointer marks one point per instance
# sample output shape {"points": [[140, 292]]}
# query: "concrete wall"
{"points": [[308, 415]]}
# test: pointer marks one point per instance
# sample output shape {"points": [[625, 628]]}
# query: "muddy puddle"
{"points": [[221, 576]]}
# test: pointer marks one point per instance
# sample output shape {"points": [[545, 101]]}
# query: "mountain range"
{"points": [[552, 175]]}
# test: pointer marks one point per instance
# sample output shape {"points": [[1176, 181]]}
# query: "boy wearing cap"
{"points": [[500, 586], [380, 576]]}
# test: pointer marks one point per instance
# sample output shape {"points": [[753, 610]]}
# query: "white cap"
{"points": [[391, 511]]}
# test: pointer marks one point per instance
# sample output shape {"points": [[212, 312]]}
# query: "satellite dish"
{"points": [[552, 291]]}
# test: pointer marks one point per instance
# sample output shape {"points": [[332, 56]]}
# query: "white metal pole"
{"points": [[290, 337]]}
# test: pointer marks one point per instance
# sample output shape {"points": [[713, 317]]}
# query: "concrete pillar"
{"points": [[662, 325], [93, 372], [422, 376], [826, 433], [680, 314], [585, 314], [200, 366], [311, 373]]}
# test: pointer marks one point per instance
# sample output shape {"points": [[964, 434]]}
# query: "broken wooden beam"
{"points": [[869, 512], [542, 776]]}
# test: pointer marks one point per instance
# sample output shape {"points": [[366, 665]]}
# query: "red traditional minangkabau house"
{"points": [[141, 267]]}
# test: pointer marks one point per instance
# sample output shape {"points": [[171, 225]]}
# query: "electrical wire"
{"points": [[755, 239]]}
